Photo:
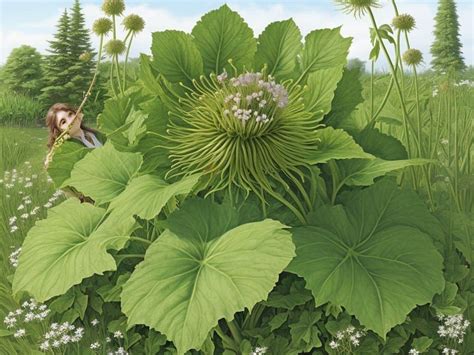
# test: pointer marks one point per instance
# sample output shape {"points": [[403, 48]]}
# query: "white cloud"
{"points": [[258, 17]]}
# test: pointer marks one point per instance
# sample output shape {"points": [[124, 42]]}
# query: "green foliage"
{"points": [[21, 110], [23, 71], [379, 248], [216, 230], [221, 268], [446, 48], [71, 252]]}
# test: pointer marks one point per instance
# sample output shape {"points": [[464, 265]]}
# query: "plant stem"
{"points": [[118, 73], [234, 329], [126, 58]]}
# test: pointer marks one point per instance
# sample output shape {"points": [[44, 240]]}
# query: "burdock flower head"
{"points": [[85, 57], [102, 26], [404, 22], [244, 131], [113, 7], [357, 7], [133, 23], [412, 57], [115, 47]]}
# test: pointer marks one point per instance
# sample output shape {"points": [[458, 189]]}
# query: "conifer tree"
{"points": [[56, 75], [446, 48], [80, 71]]}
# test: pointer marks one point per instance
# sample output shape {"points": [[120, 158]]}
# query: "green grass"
{"points": [[20, 110], [21, 162]]}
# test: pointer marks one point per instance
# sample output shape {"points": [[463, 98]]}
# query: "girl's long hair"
{"points": [[54, 131]]}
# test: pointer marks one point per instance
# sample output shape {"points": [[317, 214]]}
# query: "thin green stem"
{"points": [[118, 73], [126, 58]]}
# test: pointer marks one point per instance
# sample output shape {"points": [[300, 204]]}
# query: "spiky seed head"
{"points": [[412, 56], [102, 26], [133, 23], [115, 46], [404, 22], [85, 57], [248, 132], [357, 7], [113, 7]]}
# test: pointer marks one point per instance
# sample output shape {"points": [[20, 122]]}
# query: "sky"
{"points": [[35, 22]]}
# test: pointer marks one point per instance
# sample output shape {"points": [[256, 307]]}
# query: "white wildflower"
{"points": [[333, 344], [94, 322], [19, 333], [118, 334], [95, 346]]}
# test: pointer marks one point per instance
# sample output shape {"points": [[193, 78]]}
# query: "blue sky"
{"points": [[34, 22]]}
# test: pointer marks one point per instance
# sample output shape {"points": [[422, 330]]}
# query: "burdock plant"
{"points": [[248, 124]]}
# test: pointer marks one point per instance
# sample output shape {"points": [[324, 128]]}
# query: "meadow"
{"points": [[246, 203]]}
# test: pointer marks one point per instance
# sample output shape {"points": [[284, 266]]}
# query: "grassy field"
{"points": [[25, 195]]}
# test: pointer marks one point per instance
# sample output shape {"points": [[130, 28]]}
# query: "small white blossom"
{"points": [[94, 322], [333, 344], [95, 346], [118, 334], [259, 350], [19, 333], [45, 345], [413, 352]]}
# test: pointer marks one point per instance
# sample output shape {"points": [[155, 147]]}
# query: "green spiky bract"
{"points": [[357, 7]]}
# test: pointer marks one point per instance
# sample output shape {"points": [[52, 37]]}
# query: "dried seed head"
{"points": [[102, 26], [85, 57], [412, 56], [404, 22], [133, 23], [115, 47], [113, 7], [357, 7]]}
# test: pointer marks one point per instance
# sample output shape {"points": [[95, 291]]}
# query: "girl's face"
{"points": [[64, 118]]}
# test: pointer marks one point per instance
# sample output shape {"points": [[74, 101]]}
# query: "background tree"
{"points": [[56, 73], [81, 69], [446, 48], [23, 71]]}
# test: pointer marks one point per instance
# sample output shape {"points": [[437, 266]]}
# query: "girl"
{"points": [[59, 116]]}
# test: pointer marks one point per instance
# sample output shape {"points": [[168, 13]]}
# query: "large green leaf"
{"points": [[337, 144], [346, 98], [362, 172], [323, 49], [373, 256], [155, 156], [146, 195], [116, 120], [64, 158], [176, 56], [203, 268], [321, 86], [278, 46], [104, 173], [380, 144], [68, 246], [221, 35]]}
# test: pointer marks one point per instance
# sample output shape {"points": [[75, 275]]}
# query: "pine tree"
{"points": [[80, 72], [56, 66], [23, 72], [446, 49]]}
